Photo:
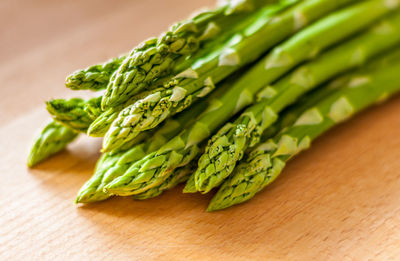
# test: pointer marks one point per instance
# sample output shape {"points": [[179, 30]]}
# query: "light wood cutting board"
{"points": [[340, 200]]}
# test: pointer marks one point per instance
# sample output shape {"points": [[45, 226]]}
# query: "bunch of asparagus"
{"points": [[224, 99]]}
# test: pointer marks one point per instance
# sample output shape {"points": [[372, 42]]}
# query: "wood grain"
{"points": [[340, 200]]}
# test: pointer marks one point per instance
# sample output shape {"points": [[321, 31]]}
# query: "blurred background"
{"points": [[42, 41]]}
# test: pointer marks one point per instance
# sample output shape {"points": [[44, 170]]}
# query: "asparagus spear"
{"points": [[53, 138], [95, 77], [102, 123], [243, 48], [264, 164], [228, 145], [73, 112], [158, 56]]}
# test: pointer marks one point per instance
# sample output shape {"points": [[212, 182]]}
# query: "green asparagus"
{"points": [[102, 123], [53, 138], [228, 145], [71, 113], [265, 163], [95, 77], [243, 48]]}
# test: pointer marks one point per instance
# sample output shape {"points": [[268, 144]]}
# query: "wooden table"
{"points": [[338, 201]]}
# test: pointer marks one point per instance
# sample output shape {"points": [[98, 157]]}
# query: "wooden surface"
{"points": [[338, 201]]}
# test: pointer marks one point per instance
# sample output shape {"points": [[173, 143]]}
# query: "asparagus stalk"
{"points": [[247, 45], [228, 145], [95, 77], [73, 113], [102, 123], [53, 138], [266, 162], [158, 56]]}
